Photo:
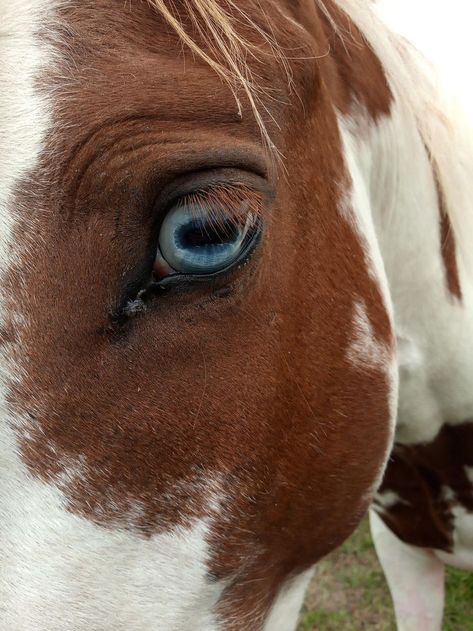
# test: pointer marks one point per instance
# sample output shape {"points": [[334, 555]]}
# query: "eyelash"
{"points": [[224, 196], [215, 201]]}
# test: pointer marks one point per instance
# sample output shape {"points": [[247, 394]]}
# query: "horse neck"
{"points": [[395, 189], [398, 178], [431, 293]]}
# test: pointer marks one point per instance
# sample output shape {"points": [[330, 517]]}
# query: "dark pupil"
{"points": [[197, 234]]}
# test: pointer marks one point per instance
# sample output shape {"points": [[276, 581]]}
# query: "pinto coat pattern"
{"points": [[179, 449]]}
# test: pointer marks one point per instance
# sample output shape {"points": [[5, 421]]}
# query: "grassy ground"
{"points": [[349, 593]]}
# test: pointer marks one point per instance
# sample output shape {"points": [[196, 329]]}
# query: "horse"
{"points": [[234, 280]]}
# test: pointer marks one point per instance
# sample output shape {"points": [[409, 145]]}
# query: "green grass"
{"points": [[459, 601], [324, 620], [349, 593]]}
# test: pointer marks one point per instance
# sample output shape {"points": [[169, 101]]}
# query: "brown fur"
{"points": [[421, 475], [449, 253], [245, 381]]}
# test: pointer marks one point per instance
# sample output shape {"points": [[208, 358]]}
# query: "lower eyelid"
{"points": [[222, 284]]}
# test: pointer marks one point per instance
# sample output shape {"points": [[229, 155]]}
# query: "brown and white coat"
{"points": [[183, 469]]}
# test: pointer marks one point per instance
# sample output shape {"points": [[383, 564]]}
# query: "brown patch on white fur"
{"points": [[430, 480], [246, 381], [447, 238], [358, 75], [448, 249]]}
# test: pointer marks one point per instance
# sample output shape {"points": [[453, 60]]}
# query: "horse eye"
{"points": [[200, 240]]}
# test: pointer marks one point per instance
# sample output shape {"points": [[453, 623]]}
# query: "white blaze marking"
{"points": [[57, 570]]}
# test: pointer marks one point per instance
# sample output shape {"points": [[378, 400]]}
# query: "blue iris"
{"points": [[192, 243]]}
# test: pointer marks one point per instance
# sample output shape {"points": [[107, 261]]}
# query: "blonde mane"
{"points": [[228, 49], [443, 125]]}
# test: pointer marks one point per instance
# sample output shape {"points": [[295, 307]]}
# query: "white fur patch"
{"points": [[59, 571], [462, 555], [415, 577], [24, 114], [365, 350], [284, 613], [388, 499], [469, 473], [434, 332], [357, 206], [440, 108], [358, 210]]}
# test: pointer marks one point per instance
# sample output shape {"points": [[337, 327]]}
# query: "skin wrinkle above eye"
{"points": [[153, 164], [222, 176]]}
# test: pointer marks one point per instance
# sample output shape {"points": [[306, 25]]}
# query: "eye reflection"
{"points": [[202, 239]]}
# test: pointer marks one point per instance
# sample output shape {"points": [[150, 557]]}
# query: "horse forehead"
{"points": [[132, 51], [141, 31]]}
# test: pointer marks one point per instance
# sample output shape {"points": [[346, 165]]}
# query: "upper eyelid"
{"points": [[207, 181], [227, 199]]}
